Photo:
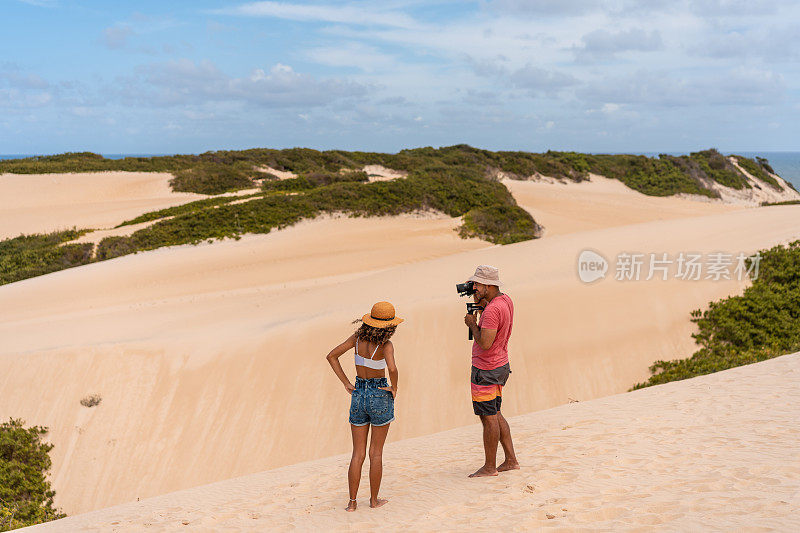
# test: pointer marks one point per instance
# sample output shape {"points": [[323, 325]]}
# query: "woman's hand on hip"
{"points": [[390, 389], [349, 387]]}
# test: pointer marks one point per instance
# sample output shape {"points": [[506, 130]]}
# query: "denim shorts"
{"points": [[371, 405]]}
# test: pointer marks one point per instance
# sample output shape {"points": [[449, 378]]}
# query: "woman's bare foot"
{"points": [[351, 506], [484, 471], [377, 503], [508, 465]]}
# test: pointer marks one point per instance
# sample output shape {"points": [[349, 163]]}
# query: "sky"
{"points": [[583, 75]]}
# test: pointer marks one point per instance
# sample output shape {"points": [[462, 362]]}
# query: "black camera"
{"points": [[465, 289]]}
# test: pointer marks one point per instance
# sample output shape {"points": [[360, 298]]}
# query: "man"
{"points": [[490, 367]]}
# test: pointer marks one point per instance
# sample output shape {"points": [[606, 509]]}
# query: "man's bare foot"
{"points": [[508, 465], [351, 506], [484, 471], [377, 503]]}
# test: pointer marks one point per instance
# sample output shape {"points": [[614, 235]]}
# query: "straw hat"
{"points": [[486, 274], [381, 316]]}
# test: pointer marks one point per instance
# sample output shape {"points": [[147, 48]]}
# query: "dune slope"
{"points": [[680, 456], [210, 359], [41, 203]]}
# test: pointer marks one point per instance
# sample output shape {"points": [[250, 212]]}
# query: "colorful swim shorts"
{"points": [[487, 389]]}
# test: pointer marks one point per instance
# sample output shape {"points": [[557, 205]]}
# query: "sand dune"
{"points": [[567, 207], [684, 456], [217, 351], [39, 203]]}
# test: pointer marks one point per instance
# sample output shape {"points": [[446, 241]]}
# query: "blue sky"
{"points": [[586, 75]]}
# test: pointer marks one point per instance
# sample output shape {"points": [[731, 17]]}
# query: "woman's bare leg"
{"points": [[356, 461], [376, 463]]}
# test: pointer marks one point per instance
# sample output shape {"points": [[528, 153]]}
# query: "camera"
{"points": [[472, 308], [465, 289]]}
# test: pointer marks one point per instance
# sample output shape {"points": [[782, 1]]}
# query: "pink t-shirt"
{"points": [[499, 315]]}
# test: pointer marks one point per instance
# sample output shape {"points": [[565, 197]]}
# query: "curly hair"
{"points": [[372, 334]]}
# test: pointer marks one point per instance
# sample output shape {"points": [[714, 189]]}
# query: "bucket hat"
{"points": [[487, 274]]}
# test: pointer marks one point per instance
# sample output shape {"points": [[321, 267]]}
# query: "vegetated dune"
{"points": [[41, 203], [210, 359], [683, 456]]}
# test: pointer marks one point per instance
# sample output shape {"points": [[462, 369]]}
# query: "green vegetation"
{"points": [[786, 202], [189, 207], [209, 178], [25, 495], [717, 167], [223, 171], [27, 256], [758, 170], [500, 224], [762, 323], [451, 191], [458, 180]]}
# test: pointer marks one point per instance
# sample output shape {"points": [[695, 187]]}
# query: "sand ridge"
{"points": [[680, 456]]}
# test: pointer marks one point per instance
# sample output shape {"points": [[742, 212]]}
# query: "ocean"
{"points": [[786, 164]]}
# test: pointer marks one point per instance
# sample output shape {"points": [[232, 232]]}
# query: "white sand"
{"points": [[40, 203], [567, 207], [381, 173], [280, 174], [198, 355], [217, 351], [713, 453]]}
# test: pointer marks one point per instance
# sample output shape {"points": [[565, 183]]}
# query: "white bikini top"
{"points": [[380, 364]]}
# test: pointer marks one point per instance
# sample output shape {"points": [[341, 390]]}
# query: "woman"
{"points": [[372, 400]]}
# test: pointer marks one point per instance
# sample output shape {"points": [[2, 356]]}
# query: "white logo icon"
{"points": [[591, 266]]}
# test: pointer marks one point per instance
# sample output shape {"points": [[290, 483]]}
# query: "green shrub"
{"points": [[765, 164], [786, 202], [763, 322], [115, 246], [210, 179], [757, 171], [221, 171], [189, 207], [25, 494], [457, 180], [500, 224], [28, 256], [717, 167]]}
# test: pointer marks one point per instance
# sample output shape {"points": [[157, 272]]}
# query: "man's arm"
{"points": [[491, 321], [484, 337]]}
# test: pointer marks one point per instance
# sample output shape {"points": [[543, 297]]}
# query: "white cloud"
{"points": [[363, 14], [351, 54], [603, 44], [184, 82], [116, 37], [40, 3]]}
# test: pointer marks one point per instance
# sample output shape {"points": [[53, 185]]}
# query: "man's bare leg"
{"points": [[376, 463], [491, 437], [510, 462], [356, 461]]}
